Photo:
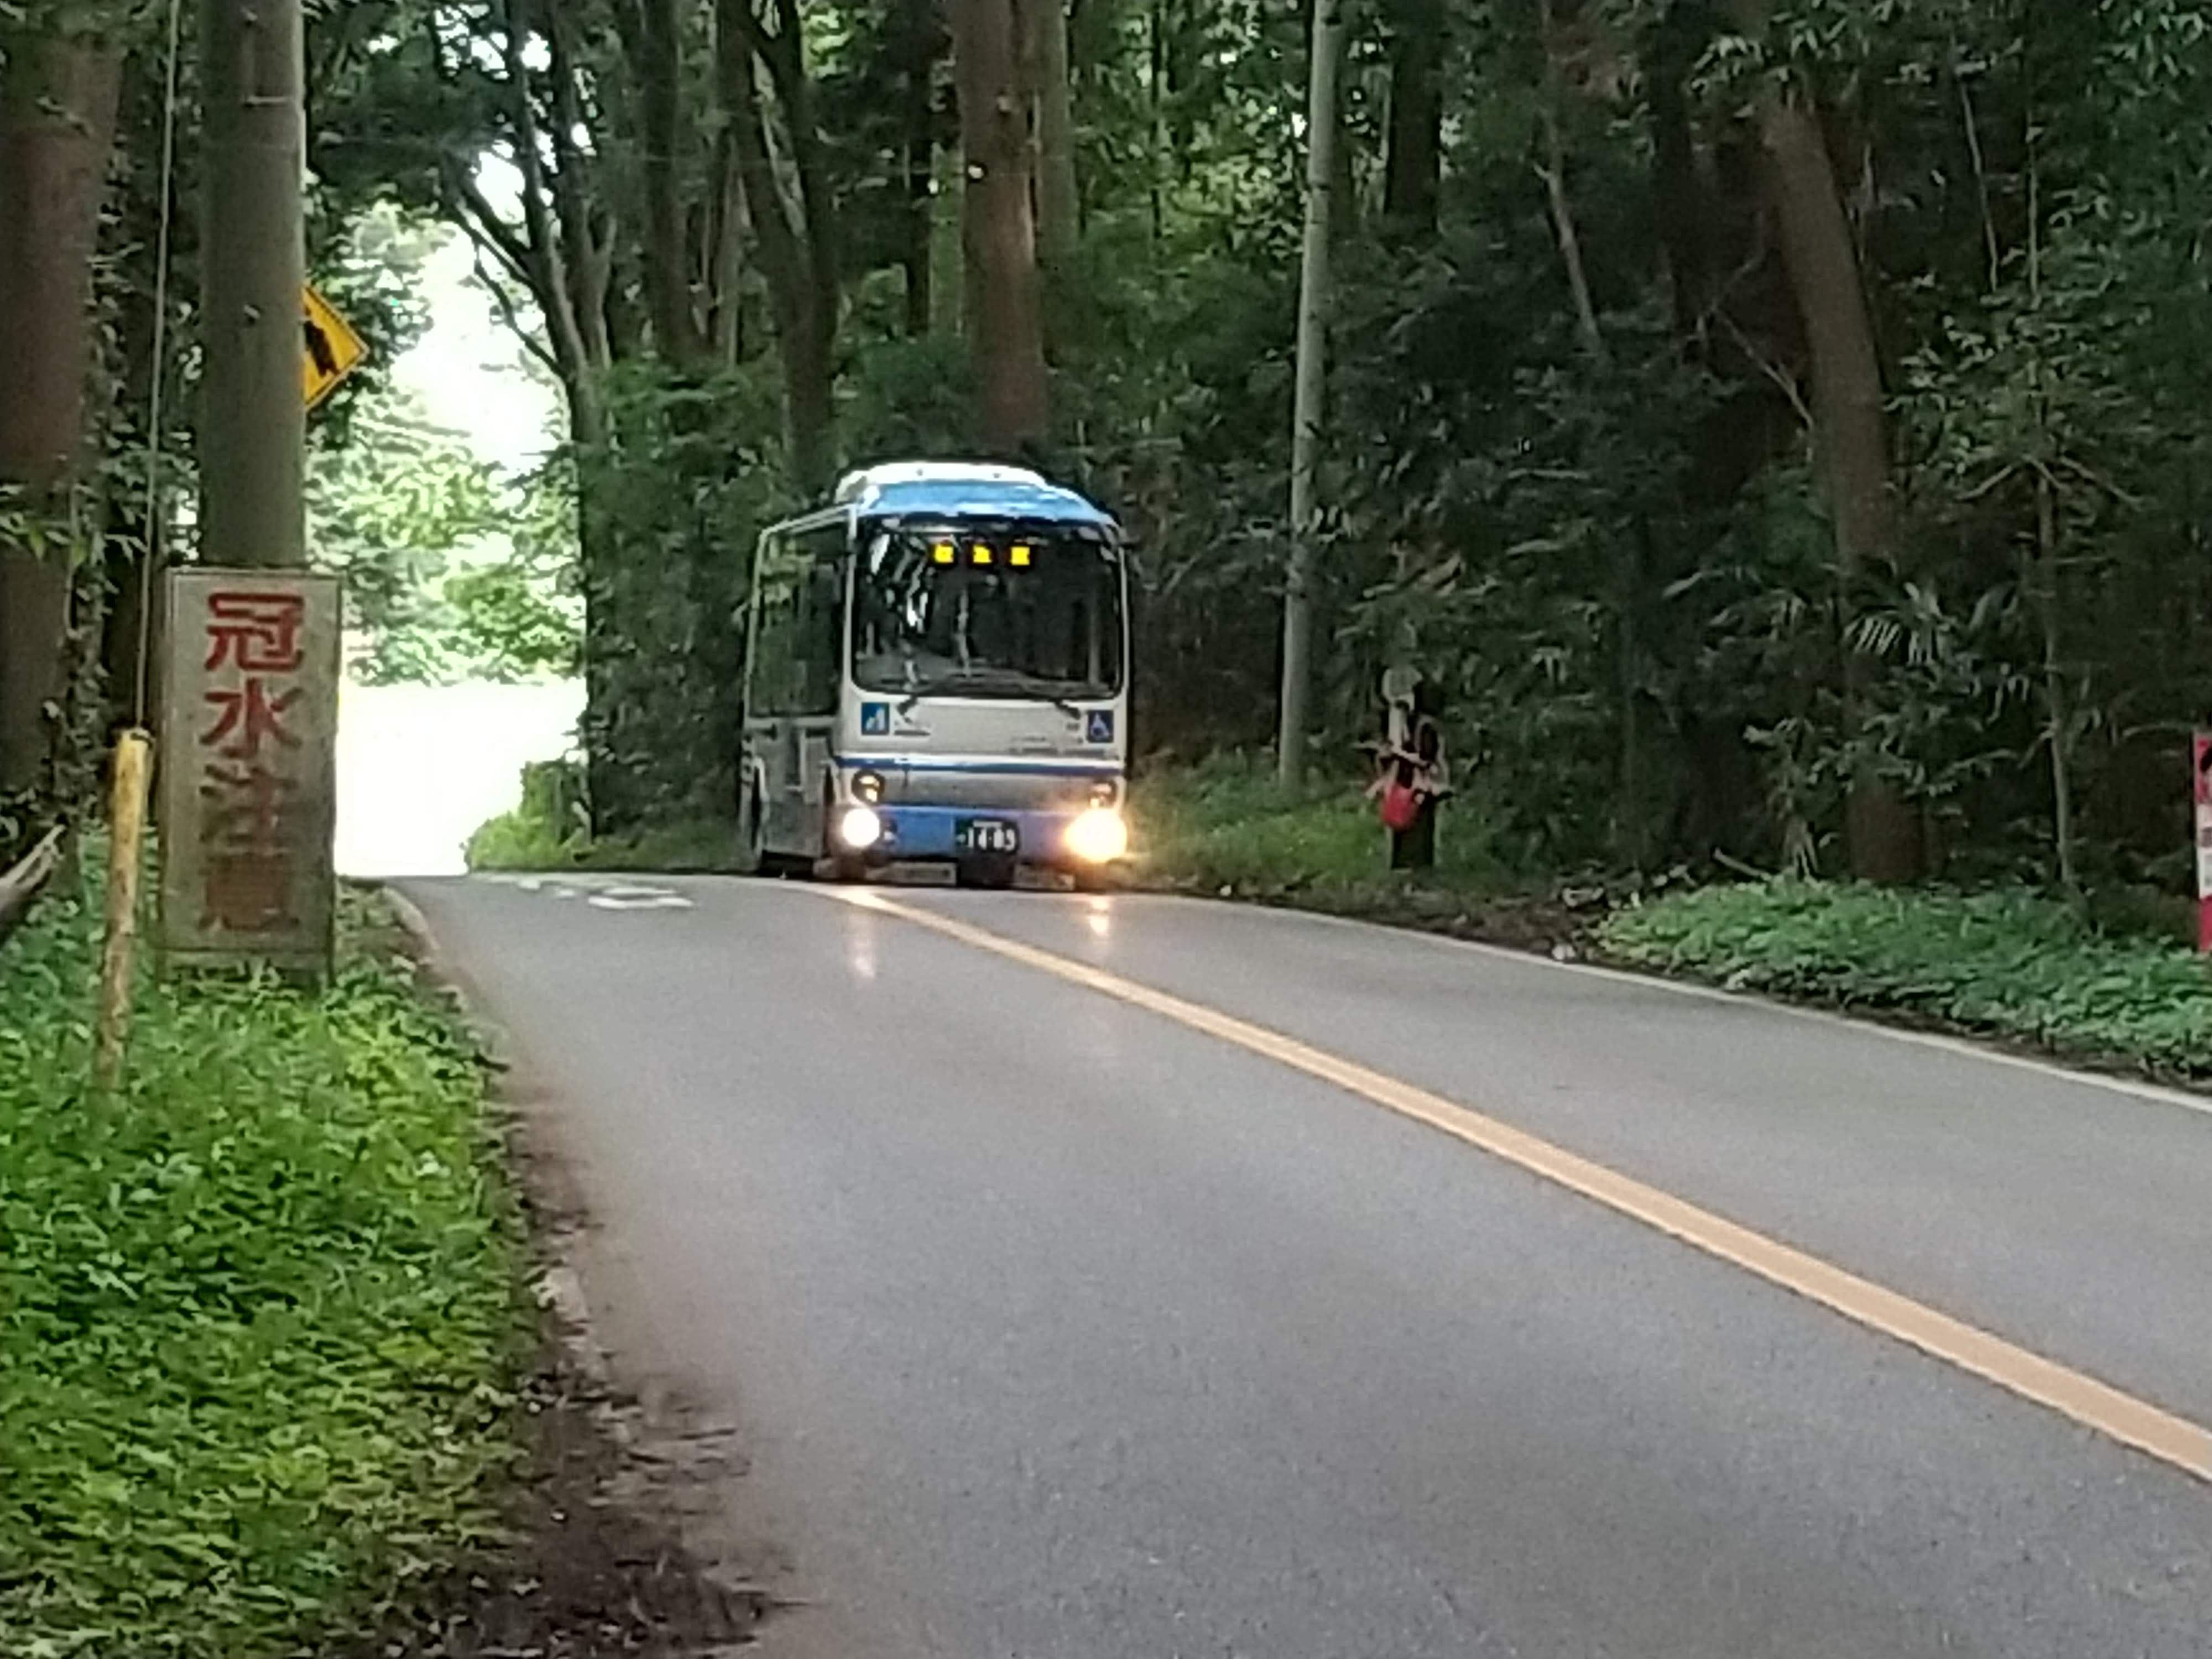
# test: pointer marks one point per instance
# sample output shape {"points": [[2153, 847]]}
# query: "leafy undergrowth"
{"points": [[258, 1309], [547, 830], [2009, 965], [1224, 829], [512, 841], [1226, 824]]}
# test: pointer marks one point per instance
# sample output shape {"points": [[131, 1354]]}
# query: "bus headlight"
{"points": [[861, 828], [1105, 793], [1099, 836], [868, 787]]}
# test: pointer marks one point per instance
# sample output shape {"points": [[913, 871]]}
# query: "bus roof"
{"points": [[957, 490]]}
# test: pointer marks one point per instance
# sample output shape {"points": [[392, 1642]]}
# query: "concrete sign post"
{"points": [[2201, 771], [249, 780]]}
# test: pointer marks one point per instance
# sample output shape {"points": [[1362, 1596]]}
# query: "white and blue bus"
{"points": [[938, 672]]}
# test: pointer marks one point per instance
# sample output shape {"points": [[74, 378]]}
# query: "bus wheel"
{"points": [[752, 857]]}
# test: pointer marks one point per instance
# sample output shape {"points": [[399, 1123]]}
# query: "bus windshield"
{"points": [[997, 610]]}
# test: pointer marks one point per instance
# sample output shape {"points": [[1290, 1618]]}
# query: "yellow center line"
{"points": [[2122, 1417]]}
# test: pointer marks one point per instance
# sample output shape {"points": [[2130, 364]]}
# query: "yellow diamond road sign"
{"points": [[333, 349]]}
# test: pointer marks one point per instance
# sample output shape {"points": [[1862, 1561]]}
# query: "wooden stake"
{"points": [[125, 849]]}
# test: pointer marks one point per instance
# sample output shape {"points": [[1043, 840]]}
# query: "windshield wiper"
{"points": [[936, 686], [1002, 680], [1061, 695]]}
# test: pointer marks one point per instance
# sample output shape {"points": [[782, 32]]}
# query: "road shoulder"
{"points": [[616, 1544]]}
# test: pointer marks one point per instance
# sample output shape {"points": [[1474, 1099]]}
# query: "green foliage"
{"points": [[1225, 824], [672, 502], [521, 842], [545, 828], [507, 626], [550, 829], [453, 570], [2009, 964], [258, 1309], [1611, 551]]}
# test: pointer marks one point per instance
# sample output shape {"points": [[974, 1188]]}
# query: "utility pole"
{"points": [[1312, 386], [249, 744], [253, 421]]}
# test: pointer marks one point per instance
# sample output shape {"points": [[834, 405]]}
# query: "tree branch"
{"points": [[766, 204], [1787, 386], [737, 18], [549, 281], [1552, 171], [1981, 169], [512, 317], [481, 221], [590, 254]]}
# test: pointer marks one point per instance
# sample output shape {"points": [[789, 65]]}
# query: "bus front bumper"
{"points": [[1068, 840]]}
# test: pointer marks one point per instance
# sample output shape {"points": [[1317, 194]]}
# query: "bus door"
{"points": [[793, 678]]}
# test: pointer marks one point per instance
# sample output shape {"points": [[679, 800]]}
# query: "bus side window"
{"points": [[774, 633], [819, 626]]}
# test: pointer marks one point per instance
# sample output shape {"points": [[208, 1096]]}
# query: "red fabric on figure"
{"points": [[1402, 807]]}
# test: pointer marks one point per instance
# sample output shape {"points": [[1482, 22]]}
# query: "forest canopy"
{"points": [[1776, 424]]}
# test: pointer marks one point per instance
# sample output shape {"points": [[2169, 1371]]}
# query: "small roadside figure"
{"points": [[1413, 776]]}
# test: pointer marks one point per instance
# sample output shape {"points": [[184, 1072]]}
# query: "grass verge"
{"points": [[2012, 966], [2008, 965], [1224, 829], [259, 1317], [1227, 824]]}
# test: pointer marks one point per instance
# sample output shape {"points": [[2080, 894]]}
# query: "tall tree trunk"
{"points": [[1553, 171], [812, 362], [2057, 698], [1850, 433], [1043, 27], [728, 312], [136, 555], [809, 384], [667, 269], [1632, 824], [56, 132], [587, 247], [1005, 316], [608, 774], [922, 40], [1414, 170], [794, 243], [1344, 194], [1677, 192], [2048, 577], [1156, 94], [545, 254]]}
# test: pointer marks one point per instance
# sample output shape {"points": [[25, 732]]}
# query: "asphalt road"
{"points": [[1051, 1325]]}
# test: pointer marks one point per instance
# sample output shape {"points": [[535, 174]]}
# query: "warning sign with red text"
{"points": [[247, 758]]}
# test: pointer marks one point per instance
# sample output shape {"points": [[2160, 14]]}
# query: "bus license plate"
{"points": [[988, 835]]}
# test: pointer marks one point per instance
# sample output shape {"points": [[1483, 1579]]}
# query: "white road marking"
{"points": [[600, 892]]}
